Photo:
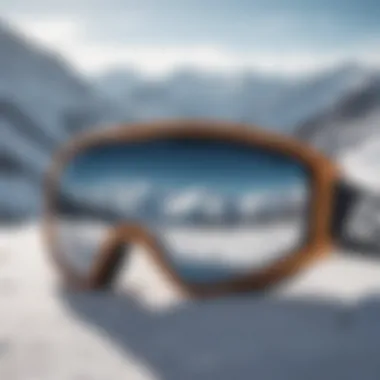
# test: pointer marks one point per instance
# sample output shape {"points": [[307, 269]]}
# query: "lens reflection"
{"points": [[220, 209]]}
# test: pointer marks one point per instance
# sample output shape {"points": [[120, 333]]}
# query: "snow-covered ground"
{"points": [[312, 326]]}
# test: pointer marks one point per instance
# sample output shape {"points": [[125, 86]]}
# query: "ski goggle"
{"points": [[219, 207]]}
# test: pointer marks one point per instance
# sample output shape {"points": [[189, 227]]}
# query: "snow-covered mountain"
{"points": [[144, 201], [276, 204], [42, 104], [41, 85], [317, 94], [350, 122], [273, 102], [194, 205], [189, 206]]}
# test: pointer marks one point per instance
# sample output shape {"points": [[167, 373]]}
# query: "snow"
{"points": [[362, 164], [38, 92], [43, 86], [193, 201], [318, 324], [31, 157], [343, 136], [40, 337]]}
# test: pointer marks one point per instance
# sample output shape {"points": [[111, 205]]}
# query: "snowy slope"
{"points": [[42, 86], [312, 326], [42, 104], [362, 164], [40, 94], [352, 121], [317, 94]]}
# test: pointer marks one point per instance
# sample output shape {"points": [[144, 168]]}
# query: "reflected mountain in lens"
{"points": [[188, 182], [213, 206], [197, 206]]}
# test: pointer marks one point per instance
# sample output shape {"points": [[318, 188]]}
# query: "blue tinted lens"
{"points": [[220, 209]]}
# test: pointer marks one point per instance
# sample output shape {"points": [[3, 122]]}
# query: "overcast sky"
{"points": [[159, 35]]}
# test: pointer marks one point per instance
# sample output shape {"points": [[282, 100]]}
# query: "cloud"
{"points": [[69, 36], [54, 33]]}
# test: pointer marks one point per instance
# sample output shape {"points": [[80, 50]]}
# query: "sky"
{"points": [[157, 36]]}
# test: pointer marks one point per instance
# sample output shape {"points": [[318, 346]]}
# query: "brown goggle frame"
{"points": [[324, 175]]}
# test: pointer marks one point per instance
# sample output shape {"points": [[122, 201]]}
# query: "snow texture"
{"points": [[321, 324]]}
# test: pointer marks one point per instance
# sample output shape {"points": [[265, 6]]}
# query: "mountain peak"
{"points": [[349, 122]]}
